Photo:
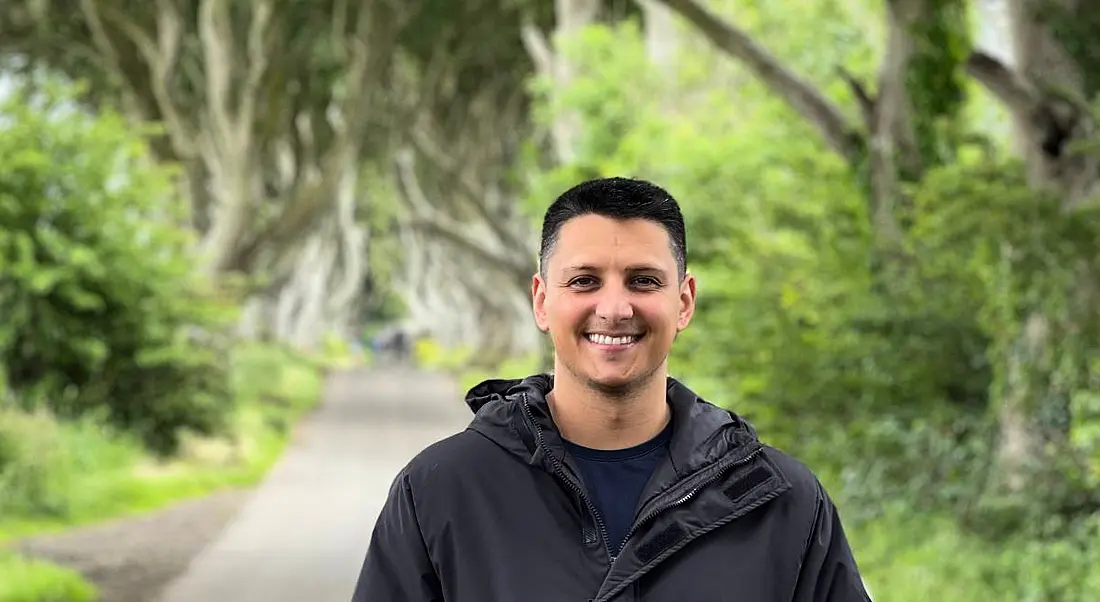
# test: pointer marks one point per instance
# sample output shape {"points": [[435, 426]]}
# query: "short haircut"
{"points": [[620, 199]]}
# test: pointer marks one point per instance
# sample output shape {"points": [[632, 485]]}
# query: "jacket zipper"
{"points": [[559, 472], [687, 496], [694, 490]]}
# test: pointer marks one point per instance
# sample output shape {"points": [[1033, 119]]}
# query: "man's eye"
{"points": [[583, 281], [646, 281]]}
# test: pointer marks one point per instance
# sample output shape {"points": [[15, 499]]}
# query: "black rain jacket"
{"points": [[497, 513]]}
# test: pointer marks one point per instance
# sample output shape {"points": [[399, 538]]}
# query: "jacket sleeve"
{"points": [[829, 572], [397, 567]]}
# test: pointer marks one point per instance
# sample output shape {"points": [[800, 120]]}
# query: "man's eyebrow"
{"points": [[636, 268]]}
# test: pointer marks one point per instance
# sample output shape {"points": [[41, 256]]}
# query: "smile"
{"points": [[612, 341]]}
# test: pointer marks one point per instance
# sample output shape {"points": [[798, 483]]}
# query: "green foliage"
{"points": [[463, 363], [906, 557], [936, 79], [1075, 27], [23, 580], [58, 473], [886, 381], [42, 461], [275, 384], [55, 474], [104, 313], [1021, 261], [383, 301]]}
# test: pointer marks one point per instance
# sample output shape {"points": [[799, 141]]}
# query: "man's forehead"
{"points": [[596, 243]]}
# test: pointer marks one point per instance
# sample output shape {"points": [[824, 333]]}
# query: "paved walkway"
{"points": [[303, 534]]}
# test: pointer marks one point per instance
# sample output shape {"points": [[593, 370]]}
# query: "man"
{"points": [[607, 481]]}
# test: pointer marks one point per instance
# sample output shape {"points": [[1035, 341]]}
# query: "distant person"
{"points": [[607, 481], [392, 345], [402, 347]]}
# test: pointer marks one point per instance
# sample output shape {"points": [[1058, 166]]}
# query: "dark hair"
{"points": [[620, 199]]}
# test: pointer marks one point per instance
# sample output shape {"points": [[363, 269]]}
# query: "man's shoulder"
{"points": [[806, 488], [447, 459]]}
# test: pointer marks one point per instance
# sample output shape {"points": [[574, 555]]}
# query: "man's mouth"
{"points": [[613, 340]]}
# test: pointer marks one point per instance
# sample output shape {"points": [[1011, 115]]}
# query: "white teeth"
{"points": [[603, 339]]}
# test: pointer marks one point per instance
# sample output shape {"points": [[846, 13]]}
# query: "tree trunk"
{"points": [[462, 312], [571, 17], [1046, 95], [661, 36]]}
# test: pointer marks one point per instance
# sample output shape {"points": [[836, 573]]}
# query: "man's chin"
{"points": [[614, 384], [608, 378]]}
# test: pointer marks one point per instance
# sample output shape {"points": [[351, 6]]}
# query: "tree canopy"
{"points": [[893, 226]]}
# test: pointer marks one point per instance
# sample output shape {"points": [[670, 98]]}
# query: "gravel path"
{"points": [[302, 534], [131, 559]]}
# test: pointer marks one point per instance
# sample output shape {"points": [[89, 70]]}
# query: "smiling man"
{"points": [[607, 481]]}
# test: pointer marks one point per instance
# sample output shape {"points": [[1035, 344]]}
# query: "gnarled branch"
{"points": [[800, 94]]}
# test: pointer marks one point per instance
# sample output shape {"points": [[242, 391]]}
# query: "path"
{"points": [[303, 534], [299, 536]]}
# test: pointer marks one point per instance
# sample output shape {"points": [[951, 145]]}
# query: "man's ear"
{"points": [[538, 302], [687, 302]]}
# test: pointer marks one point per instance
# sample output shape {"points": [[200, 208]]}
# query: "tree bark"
{"points": [[484, 296], [661, 36], [259, 125], [1046, 96], [571, 16]]}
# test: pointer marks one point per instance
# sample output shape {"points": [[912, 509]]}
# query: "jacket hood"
{"points": [[514, 414]]}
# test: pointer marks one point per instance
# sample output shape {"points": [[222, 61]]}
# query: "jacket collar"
{"points": [[515, 415], [714, 474]]}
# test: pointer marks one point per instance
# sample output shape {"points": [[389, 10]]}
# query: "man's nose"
{"points": [[614, 304]]}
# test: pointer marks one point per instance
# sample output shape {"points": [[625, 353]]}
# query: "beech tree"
{"points": [[904, 133], [265, 106]]}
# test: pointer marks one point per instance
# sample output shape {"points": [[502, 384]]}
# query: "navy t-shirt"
{"points": [[616, 478]]}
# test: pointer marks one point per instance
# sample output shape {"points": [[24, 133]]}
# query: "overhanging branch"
{"points": [[1007, 85], [427, 219], [800, 94]]}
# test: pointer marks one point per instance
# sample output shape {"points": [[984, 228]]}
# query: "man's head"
{"points": [[612, 288]]}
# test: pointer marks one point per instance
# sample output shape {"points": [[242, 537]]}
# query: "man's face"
{"points": [[611, 300]]}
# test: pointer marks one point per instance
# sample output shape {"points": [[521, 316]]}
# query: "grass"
{"points": [[71, 474], [23, 580], [912, 556]]}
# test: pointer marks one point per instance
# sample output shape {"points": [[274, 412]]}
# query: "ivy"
{"points": [[1076, 30], [936, 83]]}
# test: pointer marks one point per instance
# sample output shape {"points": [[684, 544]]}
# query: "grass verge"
{"points": [[23, 580], [58, 475], [914, 555]]}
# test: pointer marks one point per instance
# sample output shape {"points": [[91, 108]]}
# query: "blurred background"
{"points": [[208, 206]]}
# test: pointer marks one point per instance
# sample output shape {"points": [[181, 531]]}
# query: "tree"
{"points": [[265, 105], [460, 90], [904, 134]]}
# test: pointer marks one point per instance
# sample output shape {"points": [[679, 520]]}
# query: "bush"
{"points": [[42, 461], [104, 312], [55, 474]]}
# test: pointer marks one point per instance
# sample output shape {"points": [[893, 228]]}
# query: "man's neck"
{"points": [[598, 421]]}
